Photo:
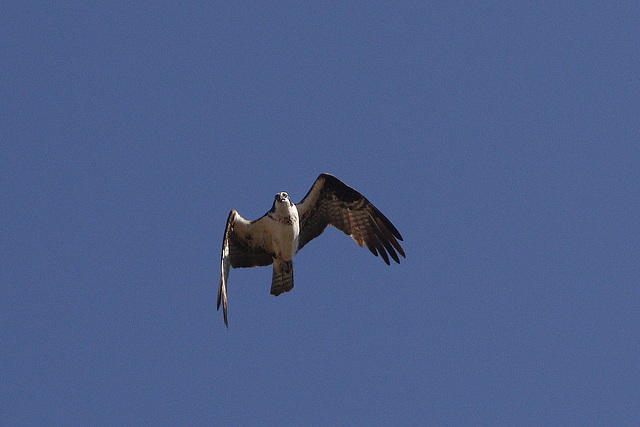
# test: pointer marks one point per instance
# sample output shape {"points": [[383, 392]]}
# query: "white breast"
{"points": [[285, 229]]}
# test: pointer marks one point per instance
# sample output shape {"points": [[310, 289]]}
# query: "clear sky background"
{"points": [[501, 139]]}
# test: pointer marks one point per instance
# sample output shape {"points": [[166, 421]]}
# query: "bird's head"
{"points": [[282, 197], [282, 202]]}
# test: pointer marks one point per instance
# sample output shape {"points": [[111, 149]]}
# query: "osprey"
{"points": [[278, 235]]}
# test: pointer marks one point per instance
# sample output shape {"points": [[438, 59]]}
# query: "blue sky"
{"points": [[500, 139]]}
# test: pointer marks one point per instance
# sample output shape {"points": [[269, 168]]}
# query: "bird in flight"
{"points": [[276, 237]]}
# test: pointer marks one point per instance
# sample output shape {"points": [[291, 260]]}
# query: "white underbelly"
{"points": [[285, 241]]}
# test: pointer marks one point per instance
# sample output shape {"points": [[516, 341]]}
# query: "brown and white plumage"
{"points": [[278, 235]]}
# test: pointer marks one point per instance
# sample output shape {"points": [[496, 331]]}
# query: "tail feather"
{"points": [[282, 280]]}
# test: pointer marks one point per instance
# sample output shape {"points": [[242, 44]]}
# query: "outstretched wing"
{"points": [[245, 244], [332, 202]]}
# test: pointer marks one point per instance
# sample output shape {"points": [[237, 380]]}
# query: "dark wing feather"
{"points": [[245, 244], [332, 202]]}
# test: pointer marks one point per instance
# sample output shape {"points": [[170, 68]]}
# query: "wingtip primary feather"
{"points": [[222, 297], [226, 319], [224, 268]]}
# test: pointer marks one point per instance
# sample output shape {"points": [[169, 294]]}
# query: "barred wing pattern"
{"points": [[332, 202]]}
